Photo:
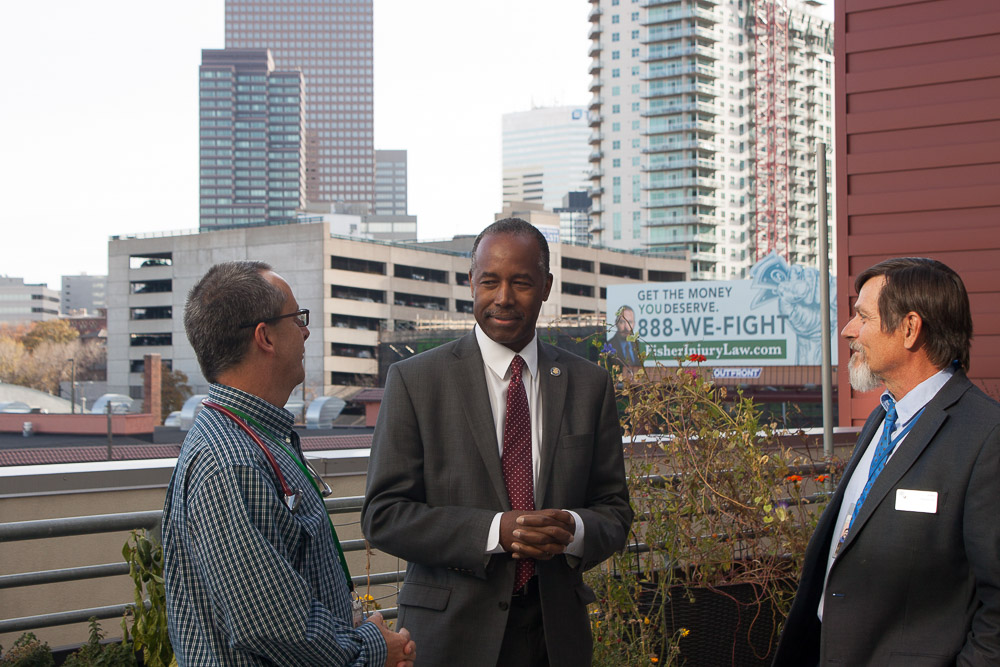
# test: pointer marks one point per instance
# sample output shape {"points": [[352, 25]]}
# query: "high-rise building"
{"points": [[331, 42], [83, 294], [674, 123], [252, 118], [27, 302], [545, 155], [390, 183]]}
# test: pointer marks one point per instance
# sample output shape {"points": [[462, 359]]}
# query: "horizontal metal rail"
{"points": [[112, 523], [63, 575], [78, 525], [26, 623], [150, 520]]}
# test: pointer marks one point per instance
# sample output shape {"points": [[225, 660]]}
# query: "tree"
{"points": [[40, 357], [49, 331], [174, 390]]}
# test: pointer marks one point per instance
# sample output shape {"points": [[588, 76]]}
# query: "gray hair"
{"points": [[935, 292], [230, 295], [516, 227]]}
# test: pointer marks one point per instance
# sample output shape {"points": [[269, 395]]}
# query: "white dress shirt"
{"points": [[496, 367], [906, 409]]}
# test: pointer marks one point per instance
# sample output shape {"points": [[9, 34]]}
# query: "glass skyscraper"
{"points": [[331, 42], [251, 125]]}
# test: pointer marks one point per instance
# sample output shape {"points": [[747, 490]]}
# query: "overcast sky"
{"points": [[99, 113]]}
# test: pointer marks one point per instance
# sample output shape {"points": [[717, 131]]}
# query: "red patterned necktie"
{"points": [[517, 472]]}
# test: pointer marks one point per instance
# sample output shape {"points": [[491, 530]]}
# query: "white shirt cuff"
{"points": [[493, 537], [575, 547]]}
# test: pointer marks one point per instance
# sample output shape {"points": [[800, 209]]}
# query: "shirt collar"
{"points": [[919, 396], [498, 357], [277, 420]]}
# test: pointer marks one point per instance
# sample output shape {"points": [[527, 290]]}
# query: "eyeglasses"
{"points": [[301, 318]]}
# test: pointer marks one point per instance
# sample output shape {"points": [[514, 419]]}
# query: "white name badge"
{"points": [[908, 500]]}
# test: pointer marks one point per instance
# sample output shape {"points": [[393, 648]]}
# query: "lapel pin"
{"points": [[555, 372]]}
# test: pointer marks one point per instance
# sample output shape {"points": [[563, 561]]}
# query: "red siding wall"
{"points": [[918, 156]]}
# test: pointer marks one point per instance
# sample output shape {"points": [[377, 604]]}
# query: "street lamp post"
{"points": [[72, 386]]}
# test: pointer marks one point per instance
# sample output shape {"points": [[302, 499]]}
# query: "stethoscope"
{"points": [[293, 497]]}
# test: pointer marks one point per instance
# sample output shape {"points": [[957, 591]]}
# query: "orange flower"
{"points": [[822, 478], [794, 478]]}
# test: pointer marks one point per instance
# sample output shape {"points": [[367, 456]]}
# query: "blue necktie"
{"points": [[881, 455]]}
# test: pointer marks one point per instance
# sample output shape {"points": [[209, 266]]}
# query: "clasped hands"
{"points": [[538, 534]]}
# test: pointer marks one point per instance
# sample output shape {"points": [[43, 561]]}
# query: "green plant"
{"points": [[28, 651], [718, 502], [96, 654], [149, 612]]}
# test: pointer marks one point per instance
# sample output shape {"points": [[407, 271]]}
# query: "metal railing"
{"points": [[150, 521], [113, 523]]}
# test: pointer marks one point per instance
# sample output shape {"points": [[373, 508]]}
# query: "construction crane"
{"points": [[770, 82]]}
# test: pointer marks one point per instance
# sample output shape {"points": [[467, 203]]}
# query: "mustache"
{"points": [[855, 346], [503, 314]]}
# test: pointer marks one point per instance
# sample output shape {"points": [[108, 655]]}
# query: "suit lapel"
{"points": [[553, 380], [910, 449], [467, 370]]}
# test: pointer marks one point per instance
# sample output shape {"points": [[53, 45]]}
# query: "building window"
{"points": [[665, 276], [357, 294], [150, 259], [576, 289], [621, 271], [420, 301], [354, 322], [140, 340], [355, 351], [574, 264], [461, 278], [353, 379], [463, 306], [151, 313], [420, 273], [150, 286], [357, 265]]}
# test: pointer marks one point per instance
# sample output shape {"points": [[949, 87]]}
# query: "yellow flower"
{"points": [[684, 632], [646, 620], [653, 659]]}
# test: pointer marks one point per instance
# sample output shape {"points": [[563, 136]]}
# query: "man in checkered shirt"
{"points": [[251, 581]]}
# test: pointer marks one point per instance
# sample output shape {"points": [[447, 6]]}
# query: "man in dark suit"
{"points": [[904, 566], [496, 472], [624, 349]]}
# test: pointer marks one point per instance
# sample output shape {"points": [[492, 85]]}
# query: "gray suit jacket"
{"points": [[910, 588], [435, 484]]}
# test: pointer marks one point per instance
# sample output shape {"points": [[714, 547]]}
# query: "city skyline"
{"points": [[440, 93]]}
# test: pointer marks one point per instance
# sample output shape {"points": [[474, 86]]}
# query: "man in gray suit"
{"points": [[498, 459], [904, 566]]}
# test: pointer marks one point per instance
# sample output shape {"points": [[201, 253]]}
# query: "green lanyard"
{"points": [[308, 475]]}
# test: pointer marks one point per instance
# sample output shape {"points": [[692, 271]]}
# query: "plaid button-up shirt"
{"points": [[248, 581]]}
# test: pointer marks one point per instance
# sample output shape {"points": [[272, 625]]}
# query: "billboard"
{"points": [[772, 319]]}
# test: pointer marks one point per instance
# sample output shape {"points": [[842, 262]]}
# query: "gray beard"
{"points": [[861, 376]]}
